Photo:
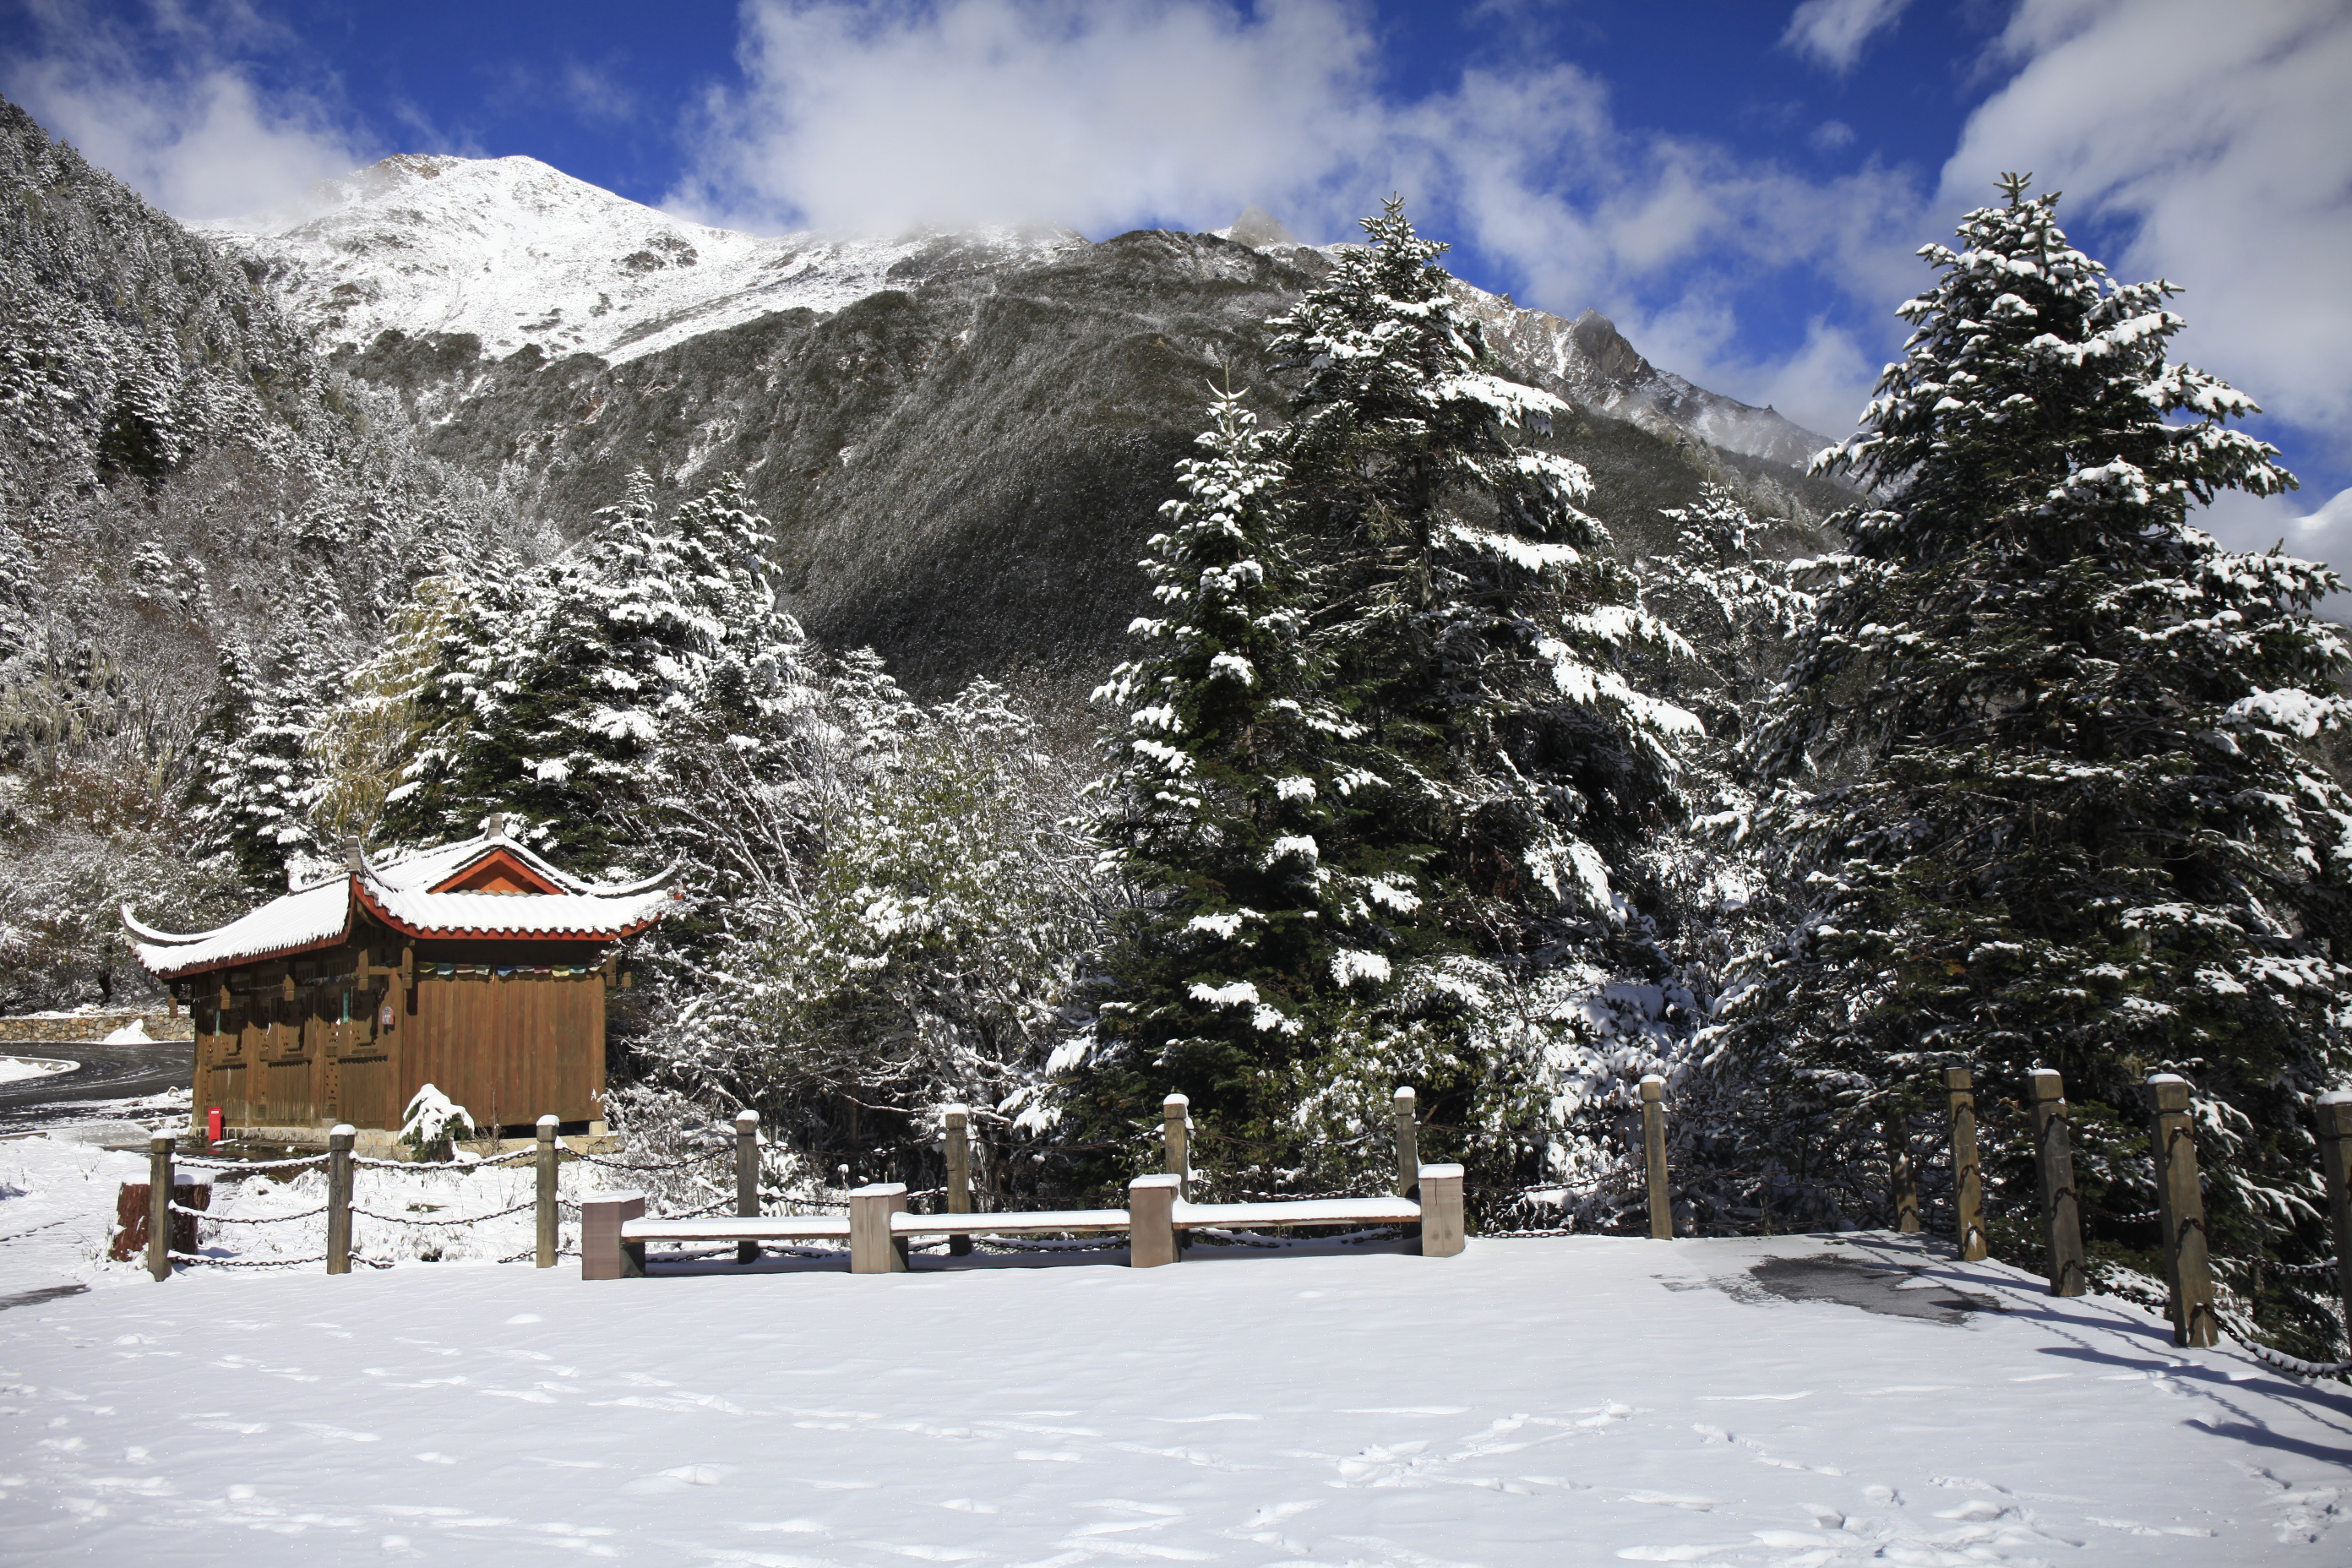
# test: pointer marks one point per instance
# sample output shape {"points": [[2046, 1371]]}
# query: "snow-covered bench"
{"points": [[615, 1231]]}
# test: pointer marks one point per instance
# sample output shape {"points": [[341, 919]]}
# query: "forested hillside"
{"points": [[193, 507]]}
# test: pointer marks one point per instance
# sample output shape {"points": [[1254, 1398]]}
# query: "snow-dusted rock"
{"points": [[520, 254]]}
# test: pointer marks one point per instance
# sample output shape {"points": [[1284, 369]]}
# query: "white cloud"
{"points": [[195, 136], [2220, 136], [1833, 33], [859, 118]]}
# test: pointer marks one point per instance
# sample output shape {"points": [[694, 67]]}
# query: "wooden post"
{"points": [[158, 1205], [747, 1179], [1152, 1220], [957, 1120], [1653, 1156], [2187, 1262], [1903, 1173], [1175, 1112], [1407, 1142], [604, 1252], [873, 1250], [339, 1197], [1440, 1210], [2062, 1213], [546, 1215], [1408, 1151], [1967, 1175], [2336, 1161]]}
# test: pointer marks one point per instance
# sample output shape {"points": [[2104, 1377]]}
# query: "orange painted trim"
{"points": [[496, 862]]}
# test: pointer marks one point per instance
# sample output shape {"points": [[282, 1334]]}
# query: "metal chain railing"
{"points": [[2109, 1283], [441, 1223]]}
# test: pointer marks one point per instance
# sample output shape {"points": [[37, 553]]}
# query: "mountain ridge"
{"points": [[567, 266]]}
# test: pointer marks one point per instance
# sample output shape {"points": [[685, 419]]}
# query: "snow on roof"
{"points": [[507, 914], [398, 893], [317, 915]]}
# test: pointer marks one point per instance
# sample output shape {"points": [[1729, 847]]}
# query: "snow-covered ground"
{"points": [[1530, 1402], [15, 1069]]}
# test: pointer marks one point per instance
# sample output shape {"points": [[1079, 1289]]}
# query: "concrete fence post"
{"points": [[958, 1120], [2336, 1161], [339, 1197], [1175, 1115], [158, 1205], [1968, 1174], [1653, 1156], [1152, 1220], [1902, 1175], [605, 1253], [1440, 1210], [546, 1215], [2180, 1203], [747, 1179], [2061, 1213], [873, 1250]]}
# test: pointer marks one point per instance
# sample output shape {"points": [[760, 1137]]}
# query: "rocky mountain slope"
{"points": [[963, 439]]}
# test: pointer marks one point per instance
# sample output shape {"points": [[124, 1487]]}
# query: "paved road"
{"points": [[106, 1073]]}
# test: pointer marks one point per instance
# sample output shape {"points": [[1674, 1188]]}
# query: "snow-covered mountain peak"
{"points": [[520, 254]]}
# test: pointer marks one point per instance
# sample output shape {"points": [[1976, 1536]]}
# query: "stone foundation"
{"points": [[71, 1027]]}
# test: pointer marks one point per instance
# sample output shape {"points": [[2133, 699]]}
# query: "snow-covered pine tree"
{"points": [[252, 796], [1477, 626], [560, 697], [2059, 798], [1235, 806]]}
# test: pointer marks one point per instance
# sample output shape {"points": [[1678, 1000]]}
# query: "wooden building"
{"points": [[477, 967]]}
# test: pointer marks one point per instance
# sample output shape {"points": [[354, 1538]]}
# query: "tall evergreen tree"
{"points": [[2059, 794], [1477, 615], [1233, 804], [1385, 731]]}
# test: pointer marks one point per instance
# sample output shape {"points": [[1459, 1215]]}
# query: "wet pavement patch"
{"points": [[1890, 1289], [1873, 1287]]}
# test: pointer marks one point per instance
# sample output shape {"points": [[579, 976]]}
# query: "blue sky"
{"points": [[1739, 185]]}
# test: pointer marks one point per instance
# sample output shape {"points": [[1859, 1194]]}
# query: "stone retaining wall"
{"points": [[79, 1026]]}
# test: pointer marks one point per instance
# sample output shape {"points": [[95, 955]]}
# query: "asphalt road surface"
{"points": [[106, 1073]]}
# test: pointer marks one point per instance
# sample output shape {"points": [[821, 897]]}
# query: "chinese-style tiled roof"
{"points": [[402, 894]]}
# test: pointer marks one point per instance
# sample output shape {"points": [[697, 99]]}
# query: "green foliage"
{"points": [[2055, 795]]}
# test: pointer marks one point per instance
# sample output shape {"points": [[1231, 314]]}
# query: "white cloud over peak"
{"points": [[859, 118], [1833, 33], [2219, 138], [197, 136]]}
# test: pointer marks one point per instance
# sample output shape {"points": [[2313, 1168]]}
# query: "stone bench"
{"points": [[613, 1230]]}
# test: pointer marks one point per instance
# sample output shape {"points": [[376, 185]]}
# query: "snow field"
{"points": [[1530, 1402]]}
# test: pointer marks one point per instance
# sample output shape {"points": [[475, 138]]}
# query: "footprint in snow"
{"points": [[677, 1480]]}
